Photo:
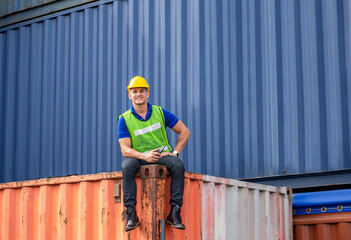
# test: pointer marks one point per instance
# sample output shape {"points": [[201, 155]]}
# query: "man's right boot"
{"points": [[174, 219], [132, 219]]}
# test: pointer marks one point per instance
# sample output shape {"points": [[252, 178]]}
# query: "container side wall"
{"points": [[232, 210], [83, 210], [264, 86], [83, 207], [191, 211], [322, 226]]}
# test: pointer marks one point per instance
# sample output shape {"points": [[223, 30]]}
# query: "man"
{"points": [[141, 134]]}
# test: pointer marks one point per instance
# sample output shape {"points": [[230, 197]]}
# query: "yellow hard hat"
{"points": [[137, 82]]}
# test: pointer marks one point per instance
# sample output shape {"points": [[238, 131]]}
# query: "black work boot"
{"points": [[174, 218], [132, 219]]}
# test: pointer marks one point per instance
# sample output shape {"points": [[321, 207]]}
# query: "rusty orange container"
{"points": [[323, 226], [90, 207]]}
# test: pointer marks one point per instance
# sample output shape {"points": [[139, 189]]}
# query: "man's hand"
{"points": [[152, 156], [163, 154]]}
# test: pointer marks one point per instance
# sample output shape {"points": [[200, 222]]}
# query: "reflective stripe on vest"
{"points": [[147, 129]]}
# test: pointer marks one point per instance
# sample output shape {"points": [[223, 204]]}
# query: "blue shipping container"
{"points": [[264, 86], [13, 6]]}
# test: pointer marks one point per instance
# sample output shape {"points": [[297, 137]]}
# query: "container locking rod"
{"points": [[162, 229]]}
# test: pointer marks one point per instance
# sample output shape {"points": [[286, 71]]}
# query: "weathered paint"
{"points": [[264, 86], [83, 207], [324, 226], [240, 210], [152, 200]]}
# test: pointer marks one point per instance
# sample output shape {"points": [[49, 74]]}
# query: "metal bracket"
{"points": [[117, 191], [153, 171]]}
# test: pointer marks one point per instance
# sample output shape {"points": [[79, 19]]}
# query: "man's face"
{"points": [[138, 96]]}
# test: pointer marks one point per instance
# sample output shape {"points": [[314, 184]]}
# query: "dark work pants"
{"points": [[130, 167]]}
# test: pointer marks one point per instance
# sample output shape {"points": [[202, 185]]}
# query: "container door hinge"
{"points": [[117, 192]]}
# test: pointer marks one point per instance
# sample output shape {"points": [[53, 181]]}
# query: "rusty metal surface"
{"points": [[152, 206], [153, 171], [325, 226], [83, 207]]}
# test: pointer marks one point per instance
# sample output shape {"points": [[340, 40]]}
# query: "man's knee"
{"points": [[130, 164], [178, 166]]}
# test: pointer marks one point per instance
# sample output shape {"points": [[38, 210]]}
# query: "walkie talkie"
{"points": [[161, 149]]}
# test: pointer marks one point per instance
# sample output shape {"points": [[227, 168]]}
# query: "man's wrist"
{"points": [[175, 152]]}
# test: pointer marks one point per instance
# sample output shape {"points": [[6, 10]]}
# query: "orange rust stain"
{"points": [[152, 206], [83, 207], [63, 180]]}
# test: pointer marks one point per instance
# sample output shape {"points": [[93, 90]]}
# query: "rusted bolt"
{"points": [[308, 210], [323, 209], [340, 208]]}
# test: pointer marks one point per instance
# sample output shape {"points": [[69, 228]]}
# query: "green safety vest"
{"points": [[147, 135]]}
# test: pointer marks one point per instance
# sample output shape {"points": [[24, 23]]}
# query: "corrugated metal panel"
{"points": [[12, 12], [240, 210], [11, 6], [83, 207], [264, 86], [326, 226]]}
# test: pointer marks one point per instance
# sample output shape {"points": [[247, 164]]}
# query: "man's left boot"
{"points": [[132, 219], [174, 219]]}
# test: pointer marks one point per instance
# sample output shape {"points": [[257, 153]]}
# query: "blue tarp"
{"points": [[322, 202]]}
